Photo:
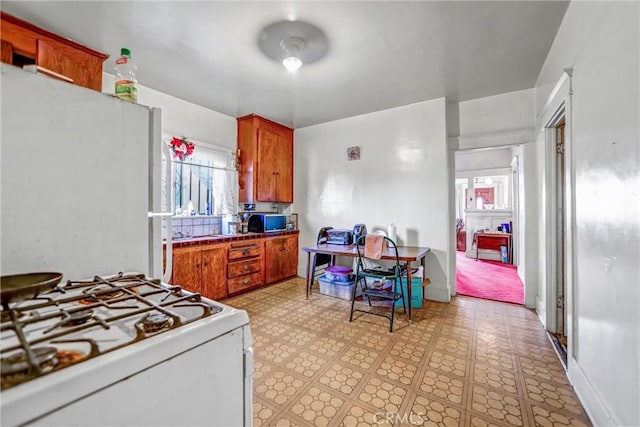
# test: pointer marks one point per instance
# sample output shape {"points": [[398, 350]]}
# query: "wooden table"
{"points": [[406, 254], [493, 241]]}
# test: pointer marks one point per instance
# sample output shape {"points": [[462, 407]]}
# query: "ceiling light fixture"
{"points": [[292, 48], [293, 43]]}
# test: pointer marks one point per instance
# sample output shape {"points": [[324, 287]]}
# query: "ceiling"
{"points": [[381, 54]]}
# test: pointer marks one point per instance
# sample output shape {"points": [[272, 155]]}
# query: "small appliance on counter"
{"points": [[267, 223], [359, 230], [244, 222], [339, 237]]}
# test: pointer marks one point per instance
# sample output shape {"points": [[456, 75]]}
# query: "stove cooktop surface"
{"points": [[81, 320]]}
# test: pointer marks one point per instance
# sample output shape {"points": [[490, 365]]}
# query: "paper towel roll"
{"points": [[392, 233]]}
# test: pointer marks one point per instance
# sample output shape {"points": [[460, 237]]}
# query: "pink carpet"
{"points": [[488, 280]]}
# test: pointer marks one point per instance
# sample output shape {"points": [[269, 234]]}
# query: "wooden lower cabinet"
{"points": [[218, 271], [244, 283], [186, 269], [214, 279], [244, 270], [201, 269], [281, 258]]}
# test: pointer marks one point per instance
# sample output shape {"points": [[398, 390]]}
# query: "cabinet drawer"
{"points": [[247, 251], [240, 268], [245, 282]]}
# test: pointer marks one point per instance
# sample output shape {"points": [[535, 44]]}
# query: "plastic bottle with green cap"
{"points": [[126, 77]]}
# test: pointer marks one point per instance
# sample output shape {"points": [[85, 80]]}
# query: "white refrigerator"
{"points": [[80, 185], [80, 173]]}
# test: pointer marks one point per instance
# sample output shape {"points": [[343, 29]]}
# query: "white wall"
{"points": [[401, 178], [183, 118], [528, 220], [599, 40], [484, 159], [482, 115], [505, 119]]}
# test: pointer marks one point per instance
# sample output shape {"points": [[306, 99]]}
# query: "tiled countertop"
{"points": [[181, 243]]}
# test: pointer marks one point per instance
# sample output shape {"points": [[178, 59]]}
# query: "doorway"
{"points": [[486, 195], [559, 196], [558, 306]]}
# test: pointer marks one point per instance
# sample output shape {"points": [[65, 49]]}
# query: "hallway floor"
{"points": [[470, 362]]}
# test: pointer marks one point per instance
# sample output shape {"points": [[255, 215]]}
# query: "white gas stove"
{"points": [[124, 350]]}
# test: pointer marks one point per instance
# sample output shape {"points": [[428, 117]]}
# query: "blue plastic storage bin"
{"points": [[342, 290]]}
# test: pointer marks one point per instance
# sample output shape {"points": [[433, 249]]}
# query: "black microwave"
{"points": [[266, 223]]}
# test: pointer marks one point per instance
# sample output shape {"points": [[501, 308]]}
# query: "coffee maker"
{"points": [[358, 231], [244, 222]]}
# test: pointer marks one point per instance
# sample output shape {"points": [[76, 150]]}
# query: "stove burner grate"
{"points": [[77, 318], [154, 322], [102, 293], [18, 367], [106, 314], [72, 319]]}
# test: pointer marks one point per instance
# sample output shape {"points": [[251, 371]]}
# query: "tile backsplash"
{"points": [[183, 227]]}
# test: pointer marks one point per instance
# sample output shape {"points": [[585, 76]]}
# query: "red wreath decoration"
{"points": [[181, 147]]}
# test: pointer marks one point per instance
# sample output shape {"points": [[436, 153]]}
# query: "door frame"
{"points": [[515, 209], [558, 108]]}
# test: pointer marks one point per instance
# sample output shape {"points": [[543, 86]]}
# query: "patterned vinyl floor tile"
{"points": [[263, 412], [450, 363], [500, 407], [490, 376], [428, 411], [446, 387], [468, 362], [359, 415], [397, 370], [317, 406]]}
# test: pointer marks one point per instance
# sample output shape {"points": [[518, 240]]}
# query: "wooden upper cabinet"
{"points": [[7, 52], [26, 44], [265, 160]]}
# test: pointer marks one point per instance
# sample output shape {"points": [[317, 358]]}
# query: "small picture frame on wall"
{"points": [[353, 153]]}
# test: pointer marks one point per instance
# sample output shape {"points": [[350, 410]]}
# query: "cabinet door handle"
{"points": [[246, 267], [245, 281], [245, 252]]}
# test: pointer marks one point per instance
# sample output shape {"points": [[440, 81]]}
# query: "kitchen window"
{"points": [[205, 183]]}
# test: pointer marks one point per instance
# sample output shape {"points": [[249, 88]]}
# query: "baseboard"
{"points": [[302, 271], [589, 398], [437, 293], [541, 312]]}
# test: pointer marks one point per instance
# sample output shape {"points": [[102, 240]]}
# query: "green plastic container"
{"points": [[416, 292]]}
